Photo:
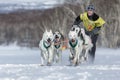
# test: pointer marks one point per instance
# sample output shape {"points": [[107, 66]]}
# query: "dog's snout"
{"points": [[56, 36], [49, 40]]}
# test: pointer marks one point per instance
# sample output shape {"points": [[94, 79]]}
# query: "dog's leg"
{"points": [[59, 56], [75, 56], [79, 54], [71, 56], [72, 53], [43, 58], [87, 51], [55, 55], [75, 59], [86, 55], [50, 56]]}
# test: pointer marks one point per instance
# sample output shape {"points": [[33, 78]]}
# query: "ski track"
{"points": [[24, 64]]}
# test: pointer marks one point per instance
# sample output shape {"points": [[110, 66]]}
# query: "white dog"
{"points": [[87, 44], [74, 44], [47, 48], [58, 37]]}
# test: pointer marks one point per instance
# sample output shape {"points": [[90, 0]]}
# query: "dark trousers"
{"points": [[93, 50]]}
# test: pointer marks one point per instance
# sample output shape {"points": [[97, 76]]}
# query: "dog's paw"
{"points": [[86, 58], [48, 64], [74, 62], [71, 58], [42, 65]]}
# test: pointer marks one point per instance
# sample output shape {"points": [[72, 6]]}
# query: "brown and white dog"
{"points": [[58, 38]]}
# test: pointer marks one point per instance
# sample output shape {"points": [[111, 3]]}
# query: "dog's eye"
{"points": [[76, 30], [73, 29]]}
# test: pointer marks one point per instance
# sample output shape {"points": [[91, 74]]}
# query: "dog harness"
{"points": [[57, 46], [46, 46], [73, 45]]}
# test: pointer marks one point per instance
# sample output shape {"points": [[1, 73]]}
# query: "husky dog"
{"points": [[87, 44], [74, 44], [46, 46], [58, 38]]}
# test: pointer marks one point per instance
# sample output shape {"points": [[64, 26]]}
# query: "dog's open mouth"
{"points": [[72, 40], [49, 40], [56, 37]]}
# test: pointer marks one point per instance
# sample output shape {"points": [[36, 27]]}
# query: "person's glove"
{"points": [[96, 30], [93, 32], [89, 33]]}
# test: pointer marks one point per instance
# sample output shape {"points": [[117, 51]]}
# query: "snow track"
{"points": [[24, 64], [37, 72]]}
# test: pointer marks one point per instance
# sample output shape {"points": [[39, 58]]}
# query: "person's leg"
{"points": [[93, 50]]}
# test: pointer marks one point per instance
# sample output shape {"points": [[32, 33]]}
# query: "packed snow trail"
{"points": [[24, 64]]}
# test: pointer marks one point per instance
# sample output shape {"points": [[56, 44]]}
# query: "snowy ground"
{"points": [[24, 64]]}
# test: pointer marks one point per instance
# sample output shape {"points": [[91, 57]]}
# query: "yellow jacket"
{"points": [[89, 24]]}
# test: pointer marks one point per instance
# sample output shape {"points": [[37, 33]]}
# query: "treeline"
{"points": [[27, 27]]}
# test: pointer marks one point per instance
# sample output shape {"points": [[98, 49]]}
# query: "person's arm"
{"points": [[77, 21]]}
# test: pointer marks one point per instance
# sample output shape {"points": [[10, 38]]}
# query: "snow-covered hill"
{"points": [[24, 64]]}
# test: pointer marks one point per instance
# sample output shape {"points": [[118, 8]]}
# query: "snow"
{"points": [[24, 64]]}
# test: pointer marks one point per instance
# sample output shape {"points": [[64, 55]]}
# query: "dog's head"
{"points": [[76, 29], [57, 35], [48, 36], [73, 36]]}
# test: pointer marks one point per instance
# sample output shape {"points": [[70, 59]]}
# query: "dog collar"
{"points": [[73, 45], [46, 46]]}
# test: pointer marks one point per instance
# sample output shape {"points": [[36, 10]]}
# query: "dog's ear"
{"points": [[50, 30], [62, 37], [82, 31], [53, 33], [79, 33], [45, 30]]}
